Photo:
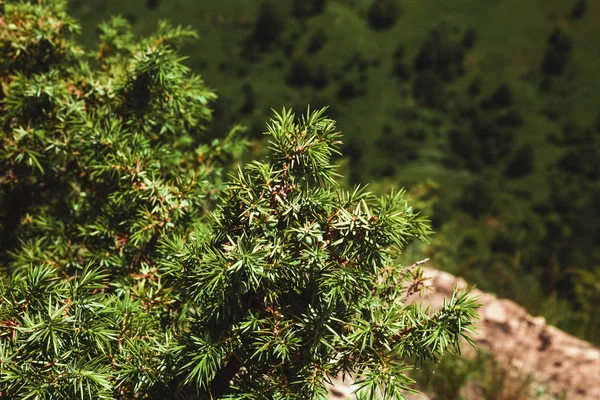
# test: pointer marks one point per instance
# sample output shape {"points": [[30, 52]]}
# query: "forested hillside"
{"points": [[488, 110]]}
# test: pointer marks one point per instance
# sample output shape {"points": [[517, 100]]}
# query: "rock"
{"points": [[340, 389], [559, 362]]}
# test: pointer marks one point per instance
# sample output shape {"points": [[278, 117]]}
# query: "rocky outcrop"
{"points": [[561, 363]]}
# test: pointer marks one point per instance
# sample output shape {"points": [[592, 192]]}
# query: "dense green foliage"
{"points": [[299, 278], [495, 101], [131, 269], [100, 154]]}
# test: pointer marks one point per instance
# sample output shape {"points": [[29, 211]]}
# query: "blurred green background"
{"points": [[487, 111]]}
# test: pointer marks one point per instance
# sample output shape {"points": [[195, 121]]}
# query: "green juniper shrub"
{"points": [[130, 269], [401, 68], [442, 53], [317, 41], [353, 81], [429, 91], [509, 119], [560, 44], [152, 4], [308, 8], [249, 98], [296, 280], [474, 88], [500, 98], [300, 73], [320, 78], [520, 163], [579, 9], [269, 25], [383, 14], [98, 158], [469, 39], [399, 144], [101, 156], [349, 89]]}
